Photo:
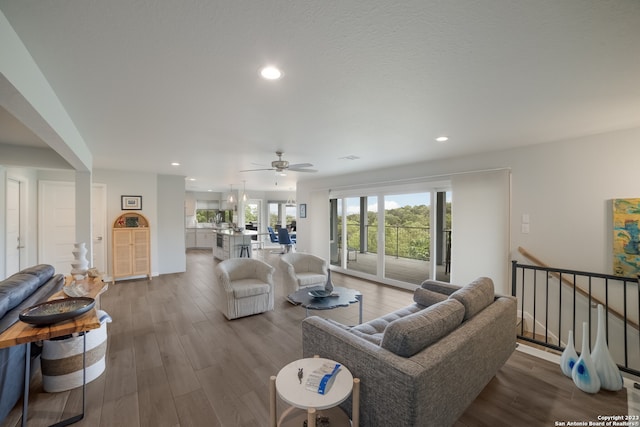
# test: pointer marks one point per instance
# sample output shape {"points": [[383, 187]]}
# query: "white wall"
{"points": [[165, 214], [125, 183], [171, 240], [480, 228], [566, 188]]}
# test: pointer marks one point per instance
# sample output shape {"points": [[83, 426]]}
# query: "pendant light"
{"points": [[230, 199], [291, 201], [244, 191]]}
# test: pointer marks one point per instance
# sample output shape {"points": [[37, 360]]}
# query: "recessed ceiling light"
{"points": [[270, 73], [192, 179], [175, 164], [442, 138]]}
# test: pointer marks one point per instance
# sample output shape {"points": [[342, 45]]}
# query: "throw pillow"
{"points": [[427, 298], [439, 286], [415, 332], [475, 296]]}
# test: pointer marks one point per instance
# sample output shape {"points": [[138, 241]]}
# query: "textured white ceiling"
{"points": [[155, 81]]}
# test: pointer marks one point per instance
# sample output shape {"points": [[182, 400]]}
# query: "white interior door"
{"points": [[57, 221], [13, 237], [99, 226]]}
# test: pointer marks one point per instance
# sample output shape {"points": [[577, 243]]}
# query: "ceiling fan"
{"points": [[283, 165]]}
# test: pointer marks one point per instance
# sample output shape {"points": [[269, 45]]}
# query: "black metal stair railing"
{"points": [[552, 301]]}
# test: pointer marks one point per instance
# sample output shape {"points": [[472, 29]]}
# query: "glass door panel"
{"points": [[407, 234], [335, 231], [362, 235]]}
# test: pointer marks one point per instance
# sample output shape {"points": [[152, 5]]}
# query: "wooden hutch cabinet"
{"points": [[131, 246]]}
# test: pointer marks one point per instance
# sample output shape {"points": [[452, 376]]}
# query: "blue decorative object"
{"points": [[569, 357], [584, 373], [608, 372]]}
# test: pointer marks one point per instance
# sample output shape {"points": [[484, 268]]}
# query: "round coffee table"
{"points": [[340, 297], [291, 389]]}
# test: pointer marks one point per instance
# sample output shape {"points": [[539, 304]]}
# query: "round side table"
{"points": [[288, 386]]}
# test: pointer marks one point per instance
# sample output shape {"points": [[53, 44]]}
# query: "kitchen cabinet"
{"points": [[189, 205], [131, 246], [190, 238], [203, 238]]}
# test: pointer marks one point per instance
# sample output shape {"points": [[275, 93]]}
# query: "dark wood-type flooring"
{"points": [[174, 360]]}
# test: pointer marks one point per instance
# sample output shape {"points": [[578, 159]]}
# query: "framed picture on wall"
{"points": [[131, 203], [303, 210]]}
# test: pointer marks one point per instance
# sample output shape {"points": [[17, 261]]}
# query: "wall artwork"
{"points": [[626, 237], [131, 203]]}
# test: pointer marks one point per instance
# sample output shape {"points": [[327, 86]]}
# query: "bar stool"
{"points": [[244, 249]]}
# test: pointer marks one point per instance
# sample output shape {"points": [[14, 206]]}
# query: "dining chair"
{"points": [[272, 235], [285, 240]]}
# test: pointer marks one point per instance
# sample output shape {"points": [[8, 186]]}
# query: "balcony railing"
{"points": [[400, 241], [553, 301]]}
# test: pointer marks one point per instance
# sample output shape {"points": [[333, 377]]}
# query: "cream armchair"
{"points": [[301, 270], [247, 286]]}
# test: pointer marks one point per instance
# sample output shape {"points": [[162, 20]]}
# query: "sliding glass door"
{"points": [[407, 233], [392, 236], [362, 234]]}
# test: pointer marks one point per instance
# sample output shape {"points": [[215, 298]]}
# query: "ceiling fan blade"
{"points": [[300, 165], [301, 170], [254, 170]]}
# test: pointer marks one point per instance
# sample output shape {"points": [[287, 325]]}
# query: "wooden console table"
{"points": [[24, 333]]}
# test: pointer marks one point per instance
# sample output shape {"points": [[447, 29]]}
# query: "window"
{"points": [[281, 212], [252, 215], [206, 211]]}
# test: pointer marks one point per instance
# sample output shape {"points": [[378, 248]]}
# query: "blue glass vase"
{"points": [[569, 357], [608, 372], [584, 373]]}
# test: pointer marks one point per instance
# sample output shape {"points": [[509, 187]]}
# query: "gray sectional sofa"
{"points": [[18, 292], [424, 364]]}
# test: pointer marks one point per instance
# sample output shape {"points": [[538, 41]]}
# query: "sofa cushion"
{"points": [[475, 296], [16, 289], [439, 286], [43, 272], [426, 298], [244, 288], [379, 324], [415, 332], [375, 338], [309, 279]]}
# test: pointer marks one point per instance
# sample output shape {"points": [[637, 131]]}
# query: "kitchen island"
{"points": [[229, 243]]}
